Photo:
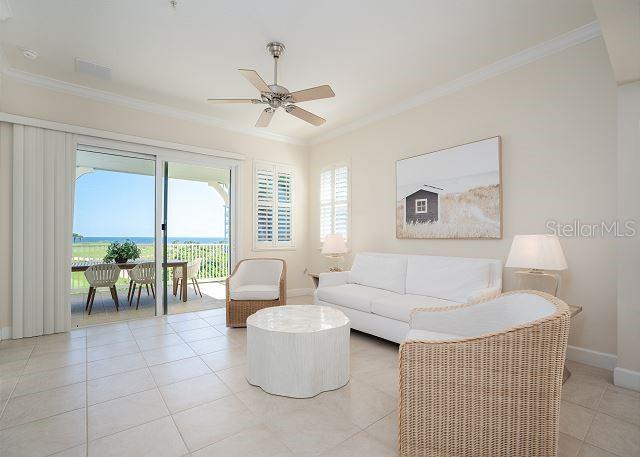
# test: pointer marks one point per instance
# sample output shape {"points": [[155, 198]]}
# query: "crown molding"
{"points": [[529, 55], [134, 103], [537, 52]]}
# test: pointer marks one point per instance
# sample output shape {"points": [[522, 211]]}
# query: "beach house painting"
{"points": [[452, 193]]}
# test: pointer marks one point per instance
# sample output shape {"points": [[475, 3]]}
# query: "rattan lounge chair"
{"points": [[253, 285], [484, 379]]}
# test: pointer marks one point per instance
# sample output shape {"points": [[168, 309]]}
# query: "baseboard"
{"points": [[592, 358], [299, 292], [628, 379], [5, 333]]}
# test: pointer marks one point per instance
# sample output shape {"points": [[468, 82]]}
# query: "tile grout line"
{"points": [[595, 410], [165, 403], [19, 377]]}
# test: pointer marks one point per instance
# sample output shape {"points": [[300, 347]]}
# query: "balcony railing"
{"points": [[214, 266]]}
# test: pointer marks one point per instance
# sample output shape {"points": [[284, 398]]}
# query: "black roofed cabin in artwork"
{"points": [[422, 205]]}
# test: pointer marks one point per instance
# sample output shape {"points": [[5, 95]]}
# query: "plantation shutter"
{"points": [[284, 208], [341, 206], [334, 201], [273, 209], [326, 203]]}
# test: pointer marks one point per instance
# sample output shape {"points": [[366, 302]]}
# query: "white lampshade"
{"points": [[540, 252], [334, 245]]}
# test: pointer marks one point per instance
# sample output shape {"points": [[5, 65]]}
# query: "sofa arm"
{"points": [[333, 278], [483, 294]]}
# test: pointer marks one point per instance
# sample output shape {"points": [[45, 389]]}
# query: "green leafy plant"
{"points": [[121, 252]]}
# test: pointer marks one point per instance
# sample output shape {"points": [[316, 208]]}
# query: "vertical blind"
{"points": [[42, 217], [273, 210], [334, 201]]}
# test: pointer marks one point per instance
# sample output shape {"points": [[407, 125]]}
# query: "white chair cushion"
{"points": [[446, 277], [399, 307], [386, 272], [258, 271], [354, 296], [255, 292], [499, 314], [419, 335]]}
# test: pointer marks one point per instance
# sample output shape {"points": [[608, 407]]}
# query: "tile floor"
{"points": [[174, 386]]}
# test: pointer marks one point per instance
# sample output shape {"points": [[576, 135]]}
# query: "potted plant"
{"points": [[122, 252]]}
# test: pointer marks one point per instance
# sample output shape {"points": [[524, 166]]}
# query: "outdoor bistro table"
{"points": [[83, 265]]}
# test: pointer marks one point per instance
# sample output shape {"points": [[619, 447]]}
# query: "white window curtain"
{"points": [[42, 218]]}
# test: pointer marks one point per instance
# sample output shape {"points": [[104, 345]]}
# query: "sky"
{"points": [[118, 204], [454, 169]]}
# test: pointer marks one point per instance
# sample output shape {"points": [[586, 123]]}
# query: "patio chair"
{"points": [[193, 268], [253, 285], [102, 275], [143, 274], [484, 379]]}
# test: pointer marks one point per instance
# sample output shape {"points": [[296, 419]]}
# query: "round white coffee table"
{"points": [[298, 350]]}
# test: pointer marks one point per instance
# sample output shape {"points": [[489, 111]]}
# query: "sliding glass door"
{"points": [[175, 209], [113, 224], [196, 233]]}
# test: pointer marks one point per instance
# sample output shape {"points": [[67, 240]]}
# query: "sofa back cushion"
{"points": [[382, 271], [449, 278]]}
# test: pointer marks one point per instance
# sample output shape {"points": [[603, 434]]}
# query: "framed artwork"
{"points": [[453, 193]]}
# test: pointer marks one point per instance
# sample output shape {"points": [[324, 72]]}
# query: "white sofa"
{"points": [[380, 291]]}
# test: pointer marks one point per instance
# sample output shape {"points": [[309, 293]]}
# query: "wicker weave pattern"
{"points": [[239, 310], [494, 395]]}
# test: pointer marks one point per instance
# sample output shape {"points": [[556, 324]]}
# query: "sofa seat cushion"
{"points": [[354, 296], [255, 292], [399, 307], [422, 335]]}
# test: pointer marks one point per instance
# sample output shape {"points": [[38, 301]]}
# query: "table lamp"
{"points": [[334, 248], [537, 254]]}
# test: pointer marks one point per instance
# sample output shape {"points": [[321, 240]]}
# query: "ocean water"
{"points": [[147, 240]]}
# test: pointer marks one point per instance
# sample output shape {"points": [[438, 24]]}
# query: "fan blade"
{"points": [[234, 100], [254, 78], [265, 117], [305, 115], [315, 93]]}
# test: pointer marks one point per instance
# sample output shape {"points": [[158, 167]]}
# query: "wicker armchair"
{"points": [[484, 379], [253, 285]]}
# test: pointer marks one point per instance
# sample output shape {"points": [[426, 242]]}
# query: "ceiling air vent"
{"points": [[92, 69]]}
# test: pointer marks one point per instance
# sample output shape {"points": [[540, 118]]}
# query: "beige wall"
{"points": [[629, 208], [25, 100], [557, 119]]}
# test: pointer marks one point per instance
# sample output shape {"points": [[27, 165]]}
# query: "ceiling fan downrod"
{"points": [[276, 49]]}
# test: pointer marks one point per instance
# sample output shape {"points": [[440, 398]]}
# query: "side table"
{"points": [[574, 310]]}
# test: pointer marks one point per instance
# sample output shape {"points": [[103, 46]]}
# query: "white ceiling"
{"points": [[373, 53]]}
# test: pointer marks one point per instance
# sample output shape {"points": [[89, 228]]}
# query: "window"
{"points": [[273, 206], [334, 201], [421, 205]]}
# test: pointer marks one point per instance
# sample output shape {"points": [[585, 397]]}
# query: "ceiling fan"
{"points": [[277, 96]]}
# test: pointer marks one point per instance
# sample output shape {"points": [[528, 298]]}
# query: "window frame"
{"points": [[333, 203], [276, 169], [426, 205]]}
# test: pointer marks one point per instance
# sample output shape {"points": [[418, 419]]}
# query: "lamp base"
{"points": [[534, 272]]}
